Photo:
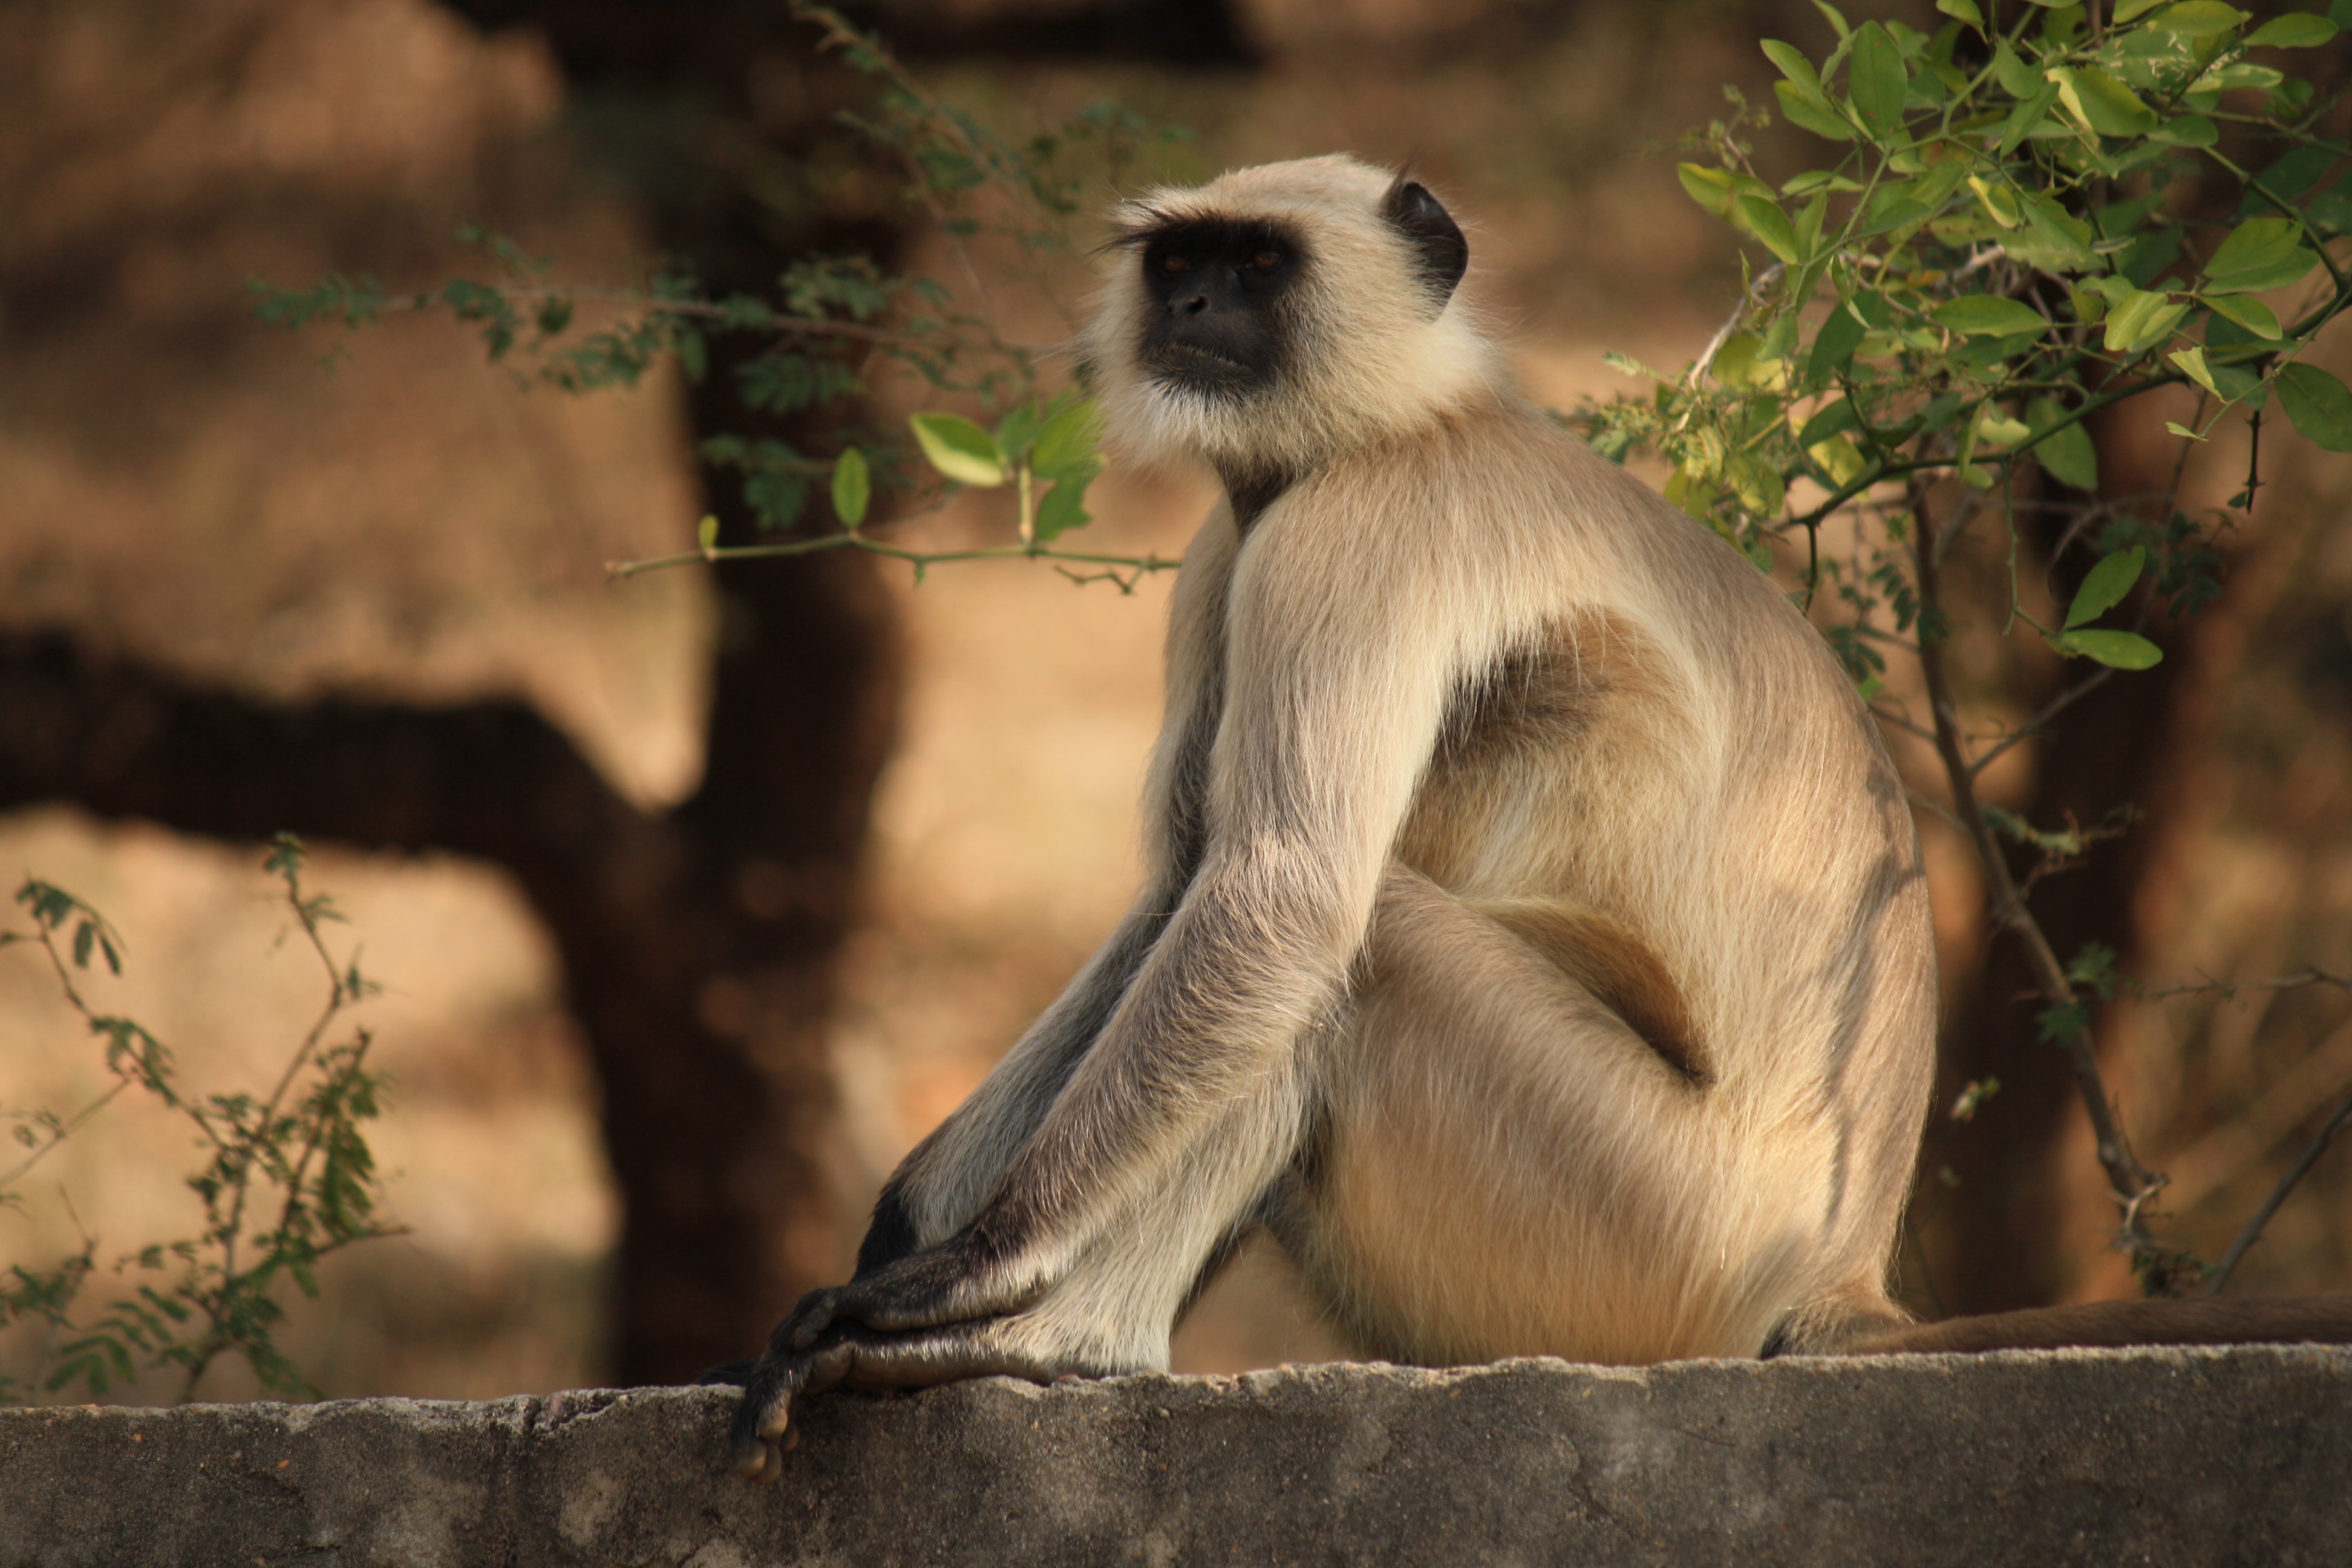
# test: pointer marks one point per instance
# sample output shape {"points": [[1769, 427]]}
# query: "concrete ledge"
{"points": [[2192, 1456]]}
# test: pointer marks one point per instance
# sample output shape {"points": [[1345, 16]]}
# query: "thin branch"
{"points": [[2227, 989], [1764, 280], [2048, 710], [1896, 719], [920, 559], [2133, 1182], [2336, 1121], [703, 310]]}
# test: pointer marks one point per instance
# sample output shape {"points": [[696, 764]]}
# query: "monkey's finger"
{"points": [[764, 1417]]}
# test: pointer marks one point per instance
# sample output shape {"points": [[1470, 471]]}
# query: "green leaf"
{"points": [[2105, 585], [2065, 455], [2122, 650], [1987, 315], [2260, 253], [1966, 10], [2186, 131], [1064, 507], [2199, 19], [1793, 64], [1710, 188], [1877, 80], [2143, 318], [2028, 114], [2182, 430], [1066, 444], [2127, 9], [1833, 348], [2101, 102], [1768, 223], [1836, 18], [959, 448], [1995, 429], [2295, 30], [2340, 12], [2250, 313], [2318, 404], [1811, 111], [706, 534], [2000, 201], [853, 487], [2053, 238], [1017, 429], [2192, 364]]}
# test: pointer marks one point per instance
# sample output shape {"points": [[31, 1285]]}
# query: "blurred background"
{"points": [[699, 898]]}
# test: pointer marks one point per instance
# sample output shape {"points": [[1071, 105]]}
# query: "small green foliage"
{"points": [[960, 450], [853, 487], [287, 1179], [1973, 1097], [807, 349]]}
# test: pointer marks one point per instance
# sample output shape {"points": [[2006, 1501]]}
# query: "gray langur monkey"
{"points": [[1535, 938]]}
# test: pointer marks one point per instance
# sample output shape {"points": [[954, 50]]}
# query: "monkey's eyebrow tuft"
{"points": [[1141, 225]]}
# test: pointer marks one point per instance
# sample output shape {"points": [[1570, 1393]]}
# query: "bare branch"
{"points": [[2133, 1184], [2228, 989], [2042, 716], [2338, 1120]]}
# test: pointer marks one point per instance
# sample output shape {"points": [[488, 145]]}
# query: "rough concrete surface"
{"points": [[2194, 1456]]}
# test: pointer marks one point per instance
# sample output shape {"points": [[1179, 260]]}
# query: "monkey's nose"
{"points": [[1193, 305]]}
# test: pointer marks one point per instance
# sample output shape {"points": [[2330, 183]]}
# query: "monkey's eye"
{"points": [[1266, 260], [1174, 264]]}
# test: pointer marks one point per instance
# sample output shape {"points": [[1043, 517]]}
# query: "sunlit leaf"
{"points": [[2192, 365], [2101, 102], [958, 448], [1710, 188]]}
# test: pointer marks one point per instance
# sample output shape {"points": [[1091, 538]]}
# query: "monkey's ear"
{"points": [[1442, 253]]}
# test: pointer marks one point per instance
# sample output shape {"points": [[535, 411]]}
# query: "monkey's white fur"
{"points": [[1500, 751], [1371, 362]]}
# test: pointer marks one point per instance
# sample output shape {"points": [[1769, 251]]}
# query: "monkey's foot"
{"points": [[854, 1356]]}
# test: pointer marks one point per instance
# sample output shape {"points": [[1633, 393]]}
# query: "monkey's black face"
{"points": [[1217, 288]]}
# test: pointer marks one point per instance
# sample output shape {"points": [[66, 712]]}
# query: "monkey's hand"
{"points": [[932, 1317]]}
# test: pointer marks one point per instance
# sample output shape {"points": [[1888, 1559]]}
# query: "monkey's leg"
{"points": [[1504, 1167]]}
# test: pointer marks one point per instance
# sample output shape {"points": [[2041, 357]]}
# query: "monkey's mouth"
{"points": [[1190, 365]]}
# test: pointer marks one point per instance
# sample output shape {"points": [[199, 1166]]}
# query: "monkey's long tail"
{"points": [[2248, 1319]]}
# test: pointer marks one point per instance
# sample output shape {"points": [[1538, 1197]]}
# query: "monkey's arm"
{"points": [[943, 1180]]}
